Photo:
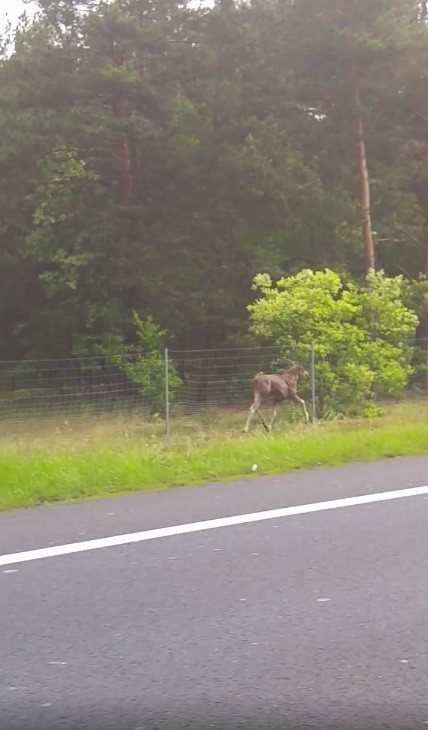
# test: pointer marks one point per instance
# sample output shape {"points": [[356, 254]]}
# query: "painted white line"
{"points": [[115, 540]]}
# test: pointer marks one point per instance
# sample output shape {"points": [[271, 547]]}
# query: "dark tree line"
{"points": [[155, 157]]}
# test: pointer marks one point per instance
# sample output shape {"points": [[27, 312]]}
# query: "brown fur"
{"points": [[280, 386]]}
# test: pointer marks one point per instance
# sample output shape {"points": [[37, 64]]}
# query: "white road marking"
{"points": [[274, 514]]}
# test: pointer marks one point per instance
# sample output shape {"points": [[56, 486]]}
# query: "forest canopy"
{"points": [[156, 156]]}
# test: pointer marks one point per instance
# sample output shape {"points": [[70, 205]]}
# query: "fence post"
{"points": [[166, 358], [313, 385]]}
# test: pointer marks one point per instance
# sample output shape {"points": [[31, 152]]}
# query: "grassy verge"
{"points": [[68, 468]]}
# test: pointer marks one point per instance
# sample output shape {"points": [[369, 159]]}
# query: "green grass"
{"points": [[93, 460]]}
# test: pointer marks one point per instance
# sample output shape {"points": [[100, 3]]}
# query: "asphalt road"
{"points": [[310, 621]]}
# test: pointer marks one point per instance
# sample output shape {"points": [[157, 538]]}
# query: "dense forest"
{"points": [[156, 156]]}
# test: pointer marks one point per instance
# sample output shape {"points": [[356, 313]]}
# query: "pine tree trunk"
{"points": [[363, 172], [422, 333], [126, 175], [420, 354], [425, 266], [124, 152], [126, 170]]}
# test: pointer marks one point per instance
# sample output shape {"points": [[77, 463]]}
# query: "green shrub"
{"points": [[362, 334], [148, 371]]}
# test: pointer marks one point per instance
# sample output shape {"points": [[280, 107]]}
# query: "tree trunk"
{"points": [[425, 266], [126, 175], [422, 333], [216, 201], [420, 354], [363, 173], [124, 153], [126, 170]]}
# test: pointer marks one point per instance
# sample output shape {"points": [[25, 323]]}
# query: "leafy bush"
{"points": [[416, 297], [362, 335], [148, 371]]}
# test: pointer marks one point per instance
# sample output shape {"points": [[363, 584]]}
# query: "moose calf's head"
{"points": [[300, 370], [295, 370]]}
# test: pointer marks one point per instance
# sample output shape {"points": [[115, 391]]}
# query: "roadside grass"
{"points": [[91, 458]]}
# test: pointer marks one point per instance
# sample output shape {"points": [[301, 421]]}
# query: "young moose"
{"points": [[279, 386]]}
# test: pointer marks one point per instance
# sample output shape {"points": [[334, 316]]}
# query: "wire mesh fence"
{"points": [[58, 390], [176, 392], [216, 387]]}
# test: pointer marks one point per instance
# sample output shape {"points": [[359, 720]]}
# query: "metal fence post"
{"points": [[167, 424], [313, 384]]}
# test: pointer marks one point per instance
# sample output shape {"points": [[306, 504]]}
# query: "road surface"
{"points": [[303, 621]]}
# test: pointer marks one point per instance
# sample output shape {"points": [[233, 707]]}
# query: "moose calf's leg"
{"points": [[299, 400], [305, 410], [274, 412], [254, 408], [251, 412], [265, 426]]}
